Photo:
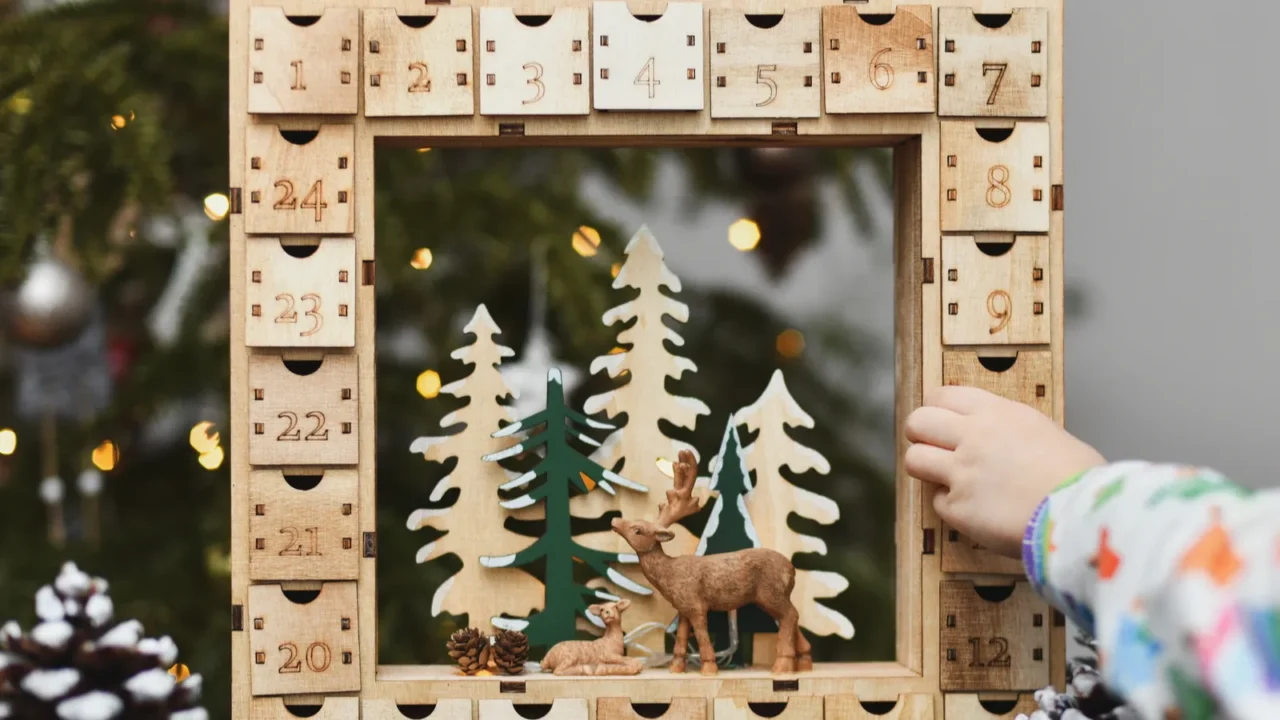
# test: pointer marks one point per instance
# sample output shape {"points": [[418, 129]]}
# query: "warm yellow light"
{"points": [[615, 269], [422, 259], [216, 206], [118, 121], [665, 467], [616, 351], [212, 460], [201, 439], [105, 456], [790, 343], [429, 384], [20, 102], [424, 150], [8, 441], [744, 235], [586, 241], [180, 672]]}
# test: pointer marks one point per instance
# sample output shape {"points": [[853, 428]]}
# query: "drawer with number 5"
{"points": [[304, 641], [303, 412], [995, 179], [299, 181]]}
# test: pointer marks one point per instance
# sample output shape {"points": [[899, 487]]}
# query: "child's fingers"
{"points": [[958, 398], [942, 504], [929, 463], [935, 426]]}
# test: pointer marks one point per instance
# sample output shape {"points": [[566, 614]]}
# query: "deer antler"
{"points": [[680, 500]]}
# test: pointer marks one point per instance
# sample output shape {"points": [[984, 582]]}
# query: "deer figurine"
{"points": [[603, 656], [695, 585]]}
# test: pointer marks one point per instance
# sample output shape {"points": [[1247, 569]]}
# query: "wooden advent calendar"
{"points": [[968, 93]]}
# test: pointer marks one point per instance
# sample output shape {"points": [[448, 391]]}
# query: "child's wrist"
{"points": [[1035, 545]]}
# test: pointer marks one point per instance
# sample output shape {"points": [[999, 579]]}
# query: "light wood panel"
{"points": [[620, 708], [769, 72], [303, 419], [299, 188], [996, 299], [296, 69], [993, 71], [388, 710], [331, 708], [539, 70], [993, 644], [647, 65], [970, 707], [908, 707], [878, 68], [561, 709], [999, 184], [311, 534], [424, 70], [304, 648], [297, 299], [799, 707]]}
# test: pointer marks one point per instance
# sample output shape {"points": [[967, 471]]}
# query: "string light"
{"points": [[429, 384], [790, 343], [106, 456], [586, 241], [424, 150], [180, 672], [216, 206], [201, 439], [212, 460], [744, 235], [422, 259], [8, 441], [615, 269], [20, 103]]}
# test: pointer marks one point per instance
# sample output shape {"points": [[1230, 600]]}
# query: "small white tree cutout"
{"points": [[774, 498], [474, 524], [641, 444]]}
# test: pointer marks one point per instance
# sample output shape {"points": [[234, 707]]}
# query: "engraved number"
{"points": [[881, 72], [298, 82], [295, 547], [315, 199], [318, 658], [1000, 655], [421, 83], [289, 315], [998, 193], [1000, 307], [536, 82], [649, 76], [999, 69], [319, 433], [291, 432], [287, 201], [766, 81]]}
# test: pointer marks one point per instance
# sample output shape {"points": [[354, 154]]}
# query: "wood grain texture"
{"points": [[561, 709], [654, 65], [995, 186], [303, 648], [996, 299], [303, 189], [969, 707], [303, 419], [990, 645], [878, 68], [310, 70], [445, 709], [332, 708], [681, 708], [419, 71], [300, 301], [304, 534], [1029, 380], [908, 707], [542, 70], [962, 555], [799, 707], [993, 72], [773, 72]]}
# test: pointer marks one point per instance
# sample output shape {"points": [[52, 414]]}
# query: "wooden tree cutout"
{"points": [[475, 521], [641, 444], [774, 498]]}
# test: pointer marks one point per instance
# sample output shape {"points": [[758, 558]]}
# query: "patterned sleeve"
{"points": [[1176, 572]]}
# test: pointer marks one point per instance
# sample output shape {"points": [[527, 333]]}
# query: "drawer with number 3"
{"points": [[299, 181], [996, 293], [304, 641], [303, 412], [535, 69], [304, 525], [995, 180], [300, 295]]}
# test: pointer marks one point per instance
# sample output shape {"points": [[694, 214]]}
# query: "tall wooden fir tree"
{"points": [[474, 523], [644, 366], [774, 498], [561, 471]]}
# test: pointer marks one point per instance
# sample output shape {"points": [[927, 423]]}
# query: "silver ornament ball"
{"points": [[52, 305]]}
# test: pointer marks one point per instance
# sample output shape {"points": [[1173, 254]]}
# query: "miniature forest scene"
{"points": [[629, 472]]}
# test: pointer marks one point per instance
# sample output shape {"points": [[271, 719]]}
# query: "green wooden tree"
{"points": [[561, 471]]}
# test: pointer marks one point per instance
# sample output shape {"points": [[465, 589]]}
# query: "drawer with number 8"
{"points": [[303, 412], [996, 293], [300, 295], [995, 180], [304, 642], [300, 182]]}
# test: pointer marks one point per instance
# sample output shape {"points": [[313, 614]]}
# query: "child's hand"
{"points": [[995, 459]]}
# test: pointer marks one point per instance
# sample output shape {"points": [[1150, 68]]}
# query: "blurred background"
{"points": [[113, 262]]}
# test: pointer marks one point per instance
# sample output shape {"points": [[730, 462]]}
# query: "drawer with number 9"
{"points": [[303, 412], [300, 295], [995, 180], [305, 642], [300, 182], [647, 65], [995, 293], [304, 526], [528, 69]]}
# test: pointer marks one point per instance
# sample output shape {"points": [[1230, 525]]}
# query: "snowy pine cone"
{"points": [[77, 665], [1086, 698]]}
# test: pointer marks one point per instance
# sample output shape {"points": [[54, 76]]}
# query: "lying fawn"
{"points": [[695, 585], [603, 656]]}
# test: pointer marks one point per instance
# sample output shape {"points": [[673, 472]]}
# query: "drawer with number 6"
{"points": [[303, 412], [304, 641], [299, 182]]}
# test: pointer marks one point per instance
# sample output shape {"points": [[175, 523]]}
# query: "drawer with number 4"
{"points": [[535, 67], [765, 70], [880, 67], [304, 525], [298, 68], [304, 641], [300, 295], [303, 412], [993, 637], [299, 181], [649, 64], [993, 65], [995, 179], [996, 293]]}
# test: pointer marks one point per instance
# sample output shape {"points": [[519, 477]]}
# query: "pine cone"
{"points": [[510, 651], [470, 649], [77, 665]]}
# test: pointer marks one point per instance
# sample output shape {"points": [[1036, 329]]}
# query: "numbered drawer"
{"points": [[300, 181], [561, 709], [975, 707], [995, 180], [535, 69], [993, 65], [418, 66], [620, 708], [303, 70], [300, 295], [304, 641], [455, 709], [304, 527], [765, 71], [799, 707], [331, 708], [647, 65], [995, 293], [303, 412], [1026, 377], [849, 707], [993, 638], [878, 68]]}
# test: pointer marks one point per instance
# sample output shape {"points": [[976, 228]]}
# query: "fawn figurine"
{"points": [[603, 656], [695, 585]]}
